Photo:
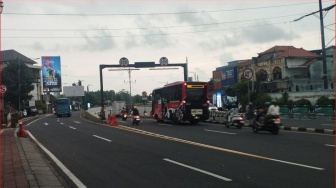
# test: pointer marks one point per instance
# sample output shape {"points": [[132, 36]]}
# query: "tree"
{"points": [[302, 102], [17, 78], [324, 101]]}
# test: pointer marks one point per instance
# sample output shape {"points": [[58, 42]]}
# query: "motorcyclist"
{"points": [[262, 111], [273, 111], [135, 111], [233, 111], [249, 110], [123, 110]]}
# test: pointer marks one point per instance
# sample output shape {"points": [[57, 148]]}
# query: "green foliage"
{"points": [[261, 99], [284, 100], [325, 101], [19, 82], [41, 106], [302, 102]]}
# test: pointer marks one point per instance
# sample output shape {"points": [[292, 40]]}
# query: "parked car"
{"points": [[31, 111], [212, 107]]}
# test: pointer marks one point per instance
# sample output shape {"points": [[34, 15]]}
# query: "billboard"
{"points": [[229, 76], [73, 91], [51, 74], [217, 79]]}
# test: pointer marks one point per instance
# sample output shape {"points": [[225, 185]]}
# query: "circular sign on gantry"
{"points": [[163, 61], [123, 62]]}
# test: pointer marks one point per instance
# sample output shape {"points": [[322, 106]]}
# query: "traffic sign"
{"points": [[163, 61], [248, 74], [123, 62], [3, 88]]}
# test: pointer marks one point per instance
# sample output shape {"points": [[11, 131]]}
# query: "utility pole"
{"points": [[324, 61]]}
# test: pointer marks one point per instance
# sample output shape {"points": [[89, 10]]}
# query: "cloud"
{"points": [[225, 57], [264, 34], [37, 46], [99, 43]]}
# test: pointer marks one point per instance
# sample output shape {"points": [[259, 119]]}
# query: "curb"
{"points": [[299, 129], [310, 130]]}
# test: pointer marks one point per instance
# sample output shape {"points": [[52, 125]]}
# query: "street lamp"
{"points": [[129, 79], [194, 74], [130, 84], [87, 88]]}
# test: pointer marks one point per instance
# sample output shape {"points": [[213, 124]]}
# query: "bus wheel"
{"points": [[174, 119]]}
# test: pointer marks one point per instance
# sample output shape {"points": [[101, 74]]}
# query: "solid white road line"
{"points": [[329, 124], [72, 127], [59, 164], [330, 145], [199, 170], [102, 138], [218, 131], [297, 164], [165, 124], [45, 123]]}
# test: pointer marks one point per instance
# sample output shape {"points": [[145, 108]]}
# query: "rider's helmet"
{"points": [[274, 102], [267, 104], [134, 107]]}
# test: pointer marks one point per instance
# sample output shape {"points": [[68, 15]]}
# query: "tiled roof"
{"points": [[245, 63], [307, 63], [8, 55], [290, 51]]}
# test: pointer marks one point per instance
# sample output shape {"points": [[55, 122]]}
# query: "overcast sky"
{"points": [[209, 33]]}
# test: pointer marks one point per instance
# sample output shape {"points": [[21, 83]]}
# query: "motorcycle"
{"points": [[136, 120], [237, 120], [124, 117], [272, 125]]}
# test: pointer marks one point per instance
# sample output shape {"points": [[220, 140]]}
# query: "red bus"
{"points": [[181, 102]]}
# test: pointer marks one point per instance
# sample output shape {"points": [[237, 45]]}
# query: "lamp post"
{"points": [[129, 79], [87, 88], [194, 75]]}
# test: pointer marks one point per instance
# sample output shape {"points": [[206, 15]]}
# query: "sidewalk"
{"points": [[24, 166]]}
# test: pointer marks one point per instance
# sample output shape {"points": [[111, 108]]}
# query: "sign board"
{"points": [[163, 61], [73, 91], [3, 89], [51, 74], [248, 74], [123, 62], [144, 95]]}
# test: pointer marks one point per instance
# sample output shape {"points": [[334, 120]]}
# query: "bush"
{"points": [[302, 102], [41, 106], [325, 101]]}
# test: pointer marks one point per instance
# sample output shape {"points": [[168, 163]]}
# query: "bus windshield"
{"points": [[62, 101], [62, 107]]}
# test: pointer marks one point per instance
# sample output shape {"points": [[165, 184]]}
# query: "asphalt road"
{"points": [[206, 155]]}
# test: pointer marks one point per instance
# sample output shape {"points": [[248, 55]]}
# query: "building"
{"points": [[283, 69], [10, 55]]}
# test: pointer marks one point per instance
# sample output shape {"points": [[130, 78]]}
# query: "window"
{"points": [[277, 74]]}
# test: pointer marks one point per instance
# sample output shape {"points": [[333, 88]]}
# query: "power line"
{"points": [[145, 35], [151, 14], [193, 25]]}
